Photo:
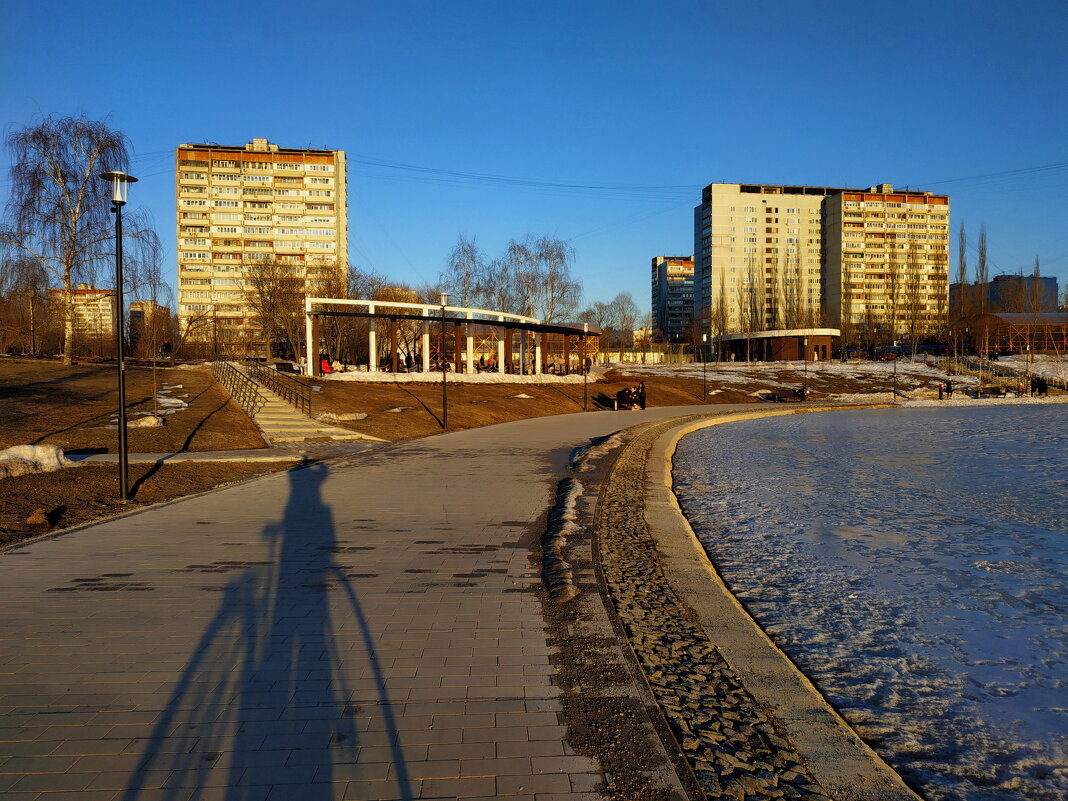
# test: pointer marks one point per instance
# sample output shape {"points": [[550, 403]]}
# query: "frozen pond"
{"points": [[914, 563]]}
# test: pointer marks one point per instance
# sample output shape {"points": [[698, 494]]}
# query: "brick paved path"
{"points": [[357, 629]]}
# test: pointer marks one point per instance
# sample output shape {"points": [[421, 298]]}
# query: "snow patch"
{"points": [[454, 378], [343, 417], [582, 459], [20, 460]]}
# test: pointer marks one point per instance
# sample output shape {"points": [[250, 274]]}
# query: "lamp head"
{"points": [[444, 301], [119, 182]]}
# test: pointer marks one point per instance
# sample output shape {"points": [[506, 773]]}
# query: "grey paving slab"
{"points": [[361, 628]]}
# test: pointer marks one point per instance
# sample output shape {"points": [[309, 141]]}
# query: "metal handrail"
{"points": [[241, 388], [295, 393]]}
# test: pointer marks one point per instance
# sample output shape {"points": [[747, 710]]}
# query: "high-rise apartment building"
{"points": [[757, 257], [241, 207], [886, 260], [771, 257], [672, 289]]}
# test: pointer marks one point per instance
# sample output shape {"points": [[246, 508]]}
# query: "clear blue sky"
{"points": [[646, 102]]}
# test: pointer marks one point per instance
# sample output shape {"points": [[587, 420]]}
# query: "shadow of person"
{"points": [[263, 700]]}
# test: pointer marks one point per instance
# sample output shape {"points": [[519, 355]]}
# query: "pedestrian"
{"points": [[941, 389], [949, 388]]}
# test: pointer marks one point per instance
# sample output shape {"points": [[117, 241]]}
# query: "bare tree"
{"points": [[58, 212], [274, 292], [463, 267], [625, 315], [719, 318], [560, 291]]}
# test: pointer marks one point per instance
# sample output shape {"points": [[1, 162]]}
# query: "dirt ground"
{"points": [[474, 405], [43, 402]]}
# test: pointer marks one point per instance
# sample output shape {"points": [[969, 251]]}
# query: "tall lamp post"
{"points": [[444, 385], [804, 386], [119, 182], [704, 367], [585, 369]]}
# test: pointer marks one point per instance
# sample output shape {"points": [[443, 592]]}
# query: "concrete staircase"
{"points": [[279, 422]]}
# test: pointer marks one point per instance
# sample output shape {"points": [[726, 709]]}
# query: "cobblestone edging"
{"points": [[736, 750]]}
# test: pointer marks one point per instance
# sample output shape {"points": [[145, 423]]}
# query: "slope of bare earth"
{"points": [[75, 407]]}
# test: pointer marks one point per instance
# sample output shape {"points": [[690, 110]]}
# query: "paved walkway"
{"points": [[362, 628]]}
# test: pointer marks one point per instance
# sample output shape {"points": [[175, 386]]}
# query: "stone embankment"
{"points": [[735, 744]]}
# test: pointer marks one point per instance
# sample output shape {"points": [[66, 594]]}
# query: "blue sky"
{"points": [[604, 119]]}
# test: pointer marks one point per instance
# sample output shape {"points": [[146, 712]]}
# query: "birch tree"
{"points": [[58, 213]]}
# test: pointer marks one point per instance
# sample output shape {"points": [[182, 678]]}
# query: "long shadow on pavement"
{"points": [[263, 700]]}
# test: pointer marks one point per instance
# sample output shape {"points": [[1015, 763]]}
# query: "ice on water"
{"points": [[913, 562]]}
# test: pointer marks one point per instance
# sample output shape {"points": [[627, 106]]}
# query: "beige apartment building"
{"points": [[243, 207], [887, 261], [780, 257], [94, 311]]}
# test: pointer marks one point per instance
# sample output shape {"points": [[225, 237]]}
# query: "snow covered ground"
{"points": [[913, 563], [456, 378]]}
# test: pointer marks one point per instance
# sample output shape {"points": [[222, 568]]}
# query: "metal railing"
{"points": [[241, 388], [295, 393]]}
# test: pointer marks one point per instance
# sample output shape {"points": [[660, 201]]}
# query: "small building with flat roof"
{"points": [[799, 344]]}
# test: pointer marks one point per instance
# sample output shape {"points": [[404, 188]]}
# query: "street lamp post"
{"points": [[444, 385], [704, 368], [585, 369], [804, 354], [119, 182]]}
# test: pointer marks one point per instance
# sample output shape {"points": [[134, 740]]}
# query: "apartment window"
{"points": [[193, 176], [195, 281], [287, 192], [288, 206], [195, 255], [256, 165], [327, 181], [257, 243], [255, 229], [321, 245], [226, 217], [320, 167], [194, 242], [228, 204], [318, 206], [258, 178], [289, 231], [194, 202], [287, 180], [225, 164], [226, 177], [288, 218], [225, 229], [320, 193], [287, 165], [226, 190]]}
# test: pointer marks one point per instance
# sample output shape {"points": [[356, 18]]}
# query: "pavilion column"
{"points": [[314, 367], [470, 345], [500, 347], [567, 354], [539, 353], [426, 342], [393, 344], [372, 342], [458, 346], [508, 349]]}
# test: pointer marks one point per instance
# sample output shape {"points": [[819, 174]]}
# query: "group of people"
{"points": [[631, 397], [1039, 386]]}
